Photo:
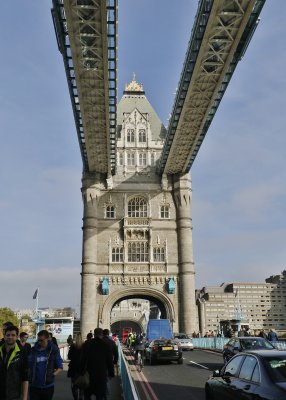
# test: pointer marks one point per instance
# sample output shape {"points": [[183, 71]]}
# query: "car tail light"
{"points": [[155, 348], [176, 347]]}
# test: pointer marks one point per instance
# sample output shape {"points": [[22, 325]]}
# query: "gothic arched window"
{"points": [[142, 135], [137, 207], [110, 211], [138, 252], [130, 135], [142, 159], [159, 254], [165, 211], [117, 254]]}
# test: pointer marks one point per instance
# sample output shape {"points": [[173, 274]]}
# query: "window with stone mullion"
{"points": [[137, 208], [138, 252]]}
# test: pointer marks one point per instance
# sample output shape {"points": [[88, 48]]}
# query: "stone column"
{"points": [[89, 317], [187, 302]]}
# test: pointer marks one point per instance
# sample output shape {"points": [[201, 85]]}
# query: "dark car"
{"points": [[237, 344], [250, 375], [164, 349]]}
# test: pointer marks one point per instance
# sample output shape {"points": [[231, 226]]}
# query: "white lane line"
{"points": [[200, 365]]}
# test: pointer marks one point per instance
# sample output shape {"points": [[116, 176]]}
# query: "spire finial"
{"points": [[134, 86]]}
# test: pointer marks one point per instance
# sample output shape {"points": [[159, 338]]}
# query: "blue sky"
{"points": [[239, 195]]}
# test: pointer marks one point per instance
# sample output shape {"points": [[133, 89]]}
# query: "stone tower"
{"points": [[137, 232]]}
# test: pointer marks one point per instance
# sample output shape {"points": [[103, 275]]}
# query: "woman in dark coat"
{"points": [[74, 355]]}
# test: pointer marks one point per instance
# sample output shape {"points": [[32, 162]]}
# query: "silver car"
{"points": [[185, 341]]}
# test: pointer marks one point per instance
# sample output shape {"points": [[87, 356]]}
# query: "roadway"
{"points": [[169, 381]]}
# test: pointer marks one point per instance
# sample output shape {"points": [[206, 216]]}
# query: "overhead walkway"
{"points": [[86, 32], [219, 39]]}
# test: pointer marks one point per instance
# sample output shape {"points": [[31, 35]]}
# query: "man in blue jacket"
{"points": [[45, 363]]}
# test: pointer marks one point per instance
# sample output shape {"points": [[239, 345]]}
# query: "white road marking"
{"points": [[200, 365]]}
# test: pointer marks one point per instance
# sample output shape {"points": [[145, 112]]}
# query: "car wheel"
{"points": [[180, 361]]}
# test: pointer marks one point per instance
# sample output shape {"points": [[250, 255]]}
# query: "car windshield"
{"points": [[277, 367], [182, 337], [255, 344]]}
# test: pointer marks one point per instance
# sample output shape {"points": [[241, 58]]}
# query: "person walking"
{"points": [[45, 363], [272, 336], [13, 367], [24, 345], [74, 355], [98, 361]]}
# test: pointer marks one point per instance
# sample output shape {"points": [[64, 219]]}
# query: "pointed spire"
{"points": [[134, 87]]}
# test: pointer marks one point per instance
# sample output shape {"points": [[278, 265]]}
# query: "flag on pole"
{"points": [[35, 294]]}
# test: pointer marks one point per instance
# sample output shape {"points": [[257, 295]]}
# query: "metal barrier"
{"points": [[64, 349], [128, 388], [215, 343]]}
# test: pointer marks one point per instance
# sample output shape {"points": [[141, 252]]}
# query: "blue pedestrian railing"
{"points": [[128, 388], [217, 343]]}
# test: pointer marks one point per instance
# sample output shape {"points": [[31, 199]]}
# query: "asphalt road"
{"points": [[170, 381]]}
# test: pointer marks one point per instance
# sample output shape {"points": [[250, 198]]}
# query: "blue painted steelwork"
{"points": [[201, 20], [129, 391], [60, 25]]}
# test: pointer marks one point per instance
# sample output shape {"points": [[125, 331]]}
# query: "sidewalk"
{"points": [[63, 387]]}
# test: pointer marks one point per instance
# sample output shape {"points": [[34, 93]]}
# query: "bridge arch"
{"points": [[161, 299]]}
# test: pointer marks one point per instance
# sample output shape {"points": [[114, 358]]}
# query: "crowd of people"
{"points": [[98, 355], [28, 372], [271, 335]]}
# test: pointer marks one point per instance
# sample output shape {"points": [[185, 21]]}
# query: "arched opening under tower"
{"points": [[137, 306]]}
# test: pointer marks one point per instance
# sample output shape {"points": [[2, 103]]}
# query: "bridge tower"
{"points": [[137, 231]]}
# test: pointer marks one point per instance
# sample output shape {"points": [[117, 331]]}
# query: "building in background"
{"points": [[255, 305]]}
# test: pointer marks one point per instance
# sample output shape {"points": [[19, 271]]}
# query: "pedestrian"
{"points": [[98, 361], [53, 339], [262, 334], [13, 367], [24, 345], [89, 336], [69, 340], [272, 336], [4, 326], [111, 344], [45, 363], [74, 355]]}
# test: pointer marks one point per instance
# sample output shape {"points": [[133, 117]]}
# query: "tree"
{"points": [[6, 314]]}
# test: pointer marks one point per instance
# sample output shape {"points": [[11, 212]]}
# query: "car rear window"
{"points": [[278, 368], [251, 344], [165, 342], [182, 337]]}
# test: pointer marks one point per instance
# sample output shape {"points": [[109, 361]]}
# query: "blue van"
{"points": [[159, 328]]}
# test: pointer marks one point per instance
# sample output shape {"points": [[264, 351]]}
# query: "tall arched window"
{"points": [[142, 135], [117, 254], [159, 254], [137, 207], [138, 252], [110, 211], [130, 135]]}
